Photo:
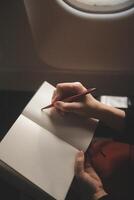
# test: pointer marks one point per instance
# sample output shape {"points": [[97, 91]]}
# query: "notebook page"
{"points": [[72, 129], [39, 156]]}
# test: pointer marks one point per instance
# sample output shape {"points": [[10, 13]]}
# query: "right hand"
{"points": [[87, 106]]}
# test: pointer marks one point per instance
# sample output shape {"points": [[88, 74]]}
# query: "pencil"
{"points": [[72, 98]]}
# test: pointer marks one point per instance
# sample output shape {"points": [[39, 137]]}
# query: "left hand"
{"points": [[87, 174]]}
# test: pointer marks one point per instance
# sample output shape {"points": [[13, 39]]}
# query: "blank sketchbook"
{"points": [[42, 145]]}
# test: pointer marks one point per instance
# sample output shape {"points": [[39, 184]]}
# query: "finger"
{"points": [[79, 163], [56, 96], [64, 90], [61, 91], [70, 88], [60, 112], [69, 107], [88, 167], [53, 96], [90, 170]]}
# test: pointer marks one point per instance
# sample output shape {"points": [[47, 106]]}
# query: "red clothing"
{"points": [[115, 155]]}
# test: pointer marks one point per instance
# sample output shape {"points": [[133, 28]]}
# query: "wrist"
{"points": [[111, 116]]}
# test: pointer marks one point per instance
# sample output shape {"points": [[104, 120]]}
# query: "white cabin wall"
{"points": [[22, 67]]}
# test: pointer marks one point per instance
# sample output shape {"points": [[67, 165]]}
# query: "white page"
{"points": [[72, 129], [39, 156], [115, 101]]}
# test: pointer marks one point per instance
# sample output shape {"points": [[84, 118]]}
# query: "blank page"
{"points": [[38, 155]]}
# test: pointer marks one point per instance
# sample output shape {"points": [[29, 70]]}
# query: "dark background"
{"points": [[16, 49]]}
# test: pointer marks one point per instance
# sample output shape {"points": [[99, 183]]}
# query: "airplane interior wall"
{"points": [[28, 56]]}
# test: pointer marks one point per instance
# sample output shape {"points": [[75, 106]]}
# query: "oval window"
{"points": [[101, 6]]}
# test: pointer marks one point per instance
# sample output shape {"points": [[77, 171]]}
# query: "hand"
{"points": [[87, 174], [87, 106]]}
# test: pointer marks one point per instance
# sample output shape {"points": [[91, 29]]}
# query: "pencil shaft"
{"points": [[72, 98]]}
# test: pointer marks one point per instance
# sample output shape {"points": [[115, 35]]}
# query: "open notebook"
{"points": [[41, 145]]}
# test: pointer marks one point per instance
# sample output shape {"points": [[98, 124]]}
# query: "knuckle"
{"points": [[65, 107], [78, 83], [79, 86], [79, 174], [59, 85]]}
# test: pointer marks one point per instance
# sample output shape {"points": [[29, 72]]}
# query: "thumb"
{"points": [[68, 107], [79, 164]]}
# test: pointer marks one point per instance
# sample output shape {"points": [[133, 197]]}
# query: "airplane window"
{"points": [[101, 6]]}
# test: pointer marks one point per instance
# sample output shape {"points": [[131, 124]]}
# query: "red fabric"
{"points": [[107, 156], [114, 163]]}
